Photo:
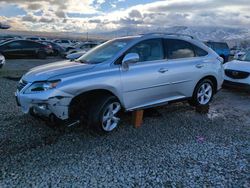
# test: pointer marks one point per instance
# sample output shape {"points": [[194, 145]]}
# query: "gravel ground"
{"points": [[176, 147]]}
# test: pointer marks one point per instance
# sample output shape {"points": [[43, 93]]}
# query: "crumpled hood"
{"points": [[45, 72], [238, 65]]}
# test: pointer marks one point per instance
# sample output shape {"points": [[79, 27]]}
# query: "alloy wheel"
{"points": [[205, 93], [110, 119]]}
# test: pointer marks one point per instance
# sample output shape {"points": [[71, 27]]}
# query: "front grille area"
{"points": [[236, 74], [21, 85]]}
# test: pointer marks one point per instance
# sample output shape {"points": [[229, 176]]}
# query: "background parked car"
{"points": [[239, 54], [58, 50], [237, 72], [64, 43], [2, 61], [36, 38], [84, 46], [25, 48], [76, 55], [6, 38], [221, 48]]}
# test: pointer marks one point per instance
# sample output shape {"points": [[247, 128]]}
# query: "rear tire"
{"points": [[104, 112], [42, 55], [56, 53], [203, 93]]}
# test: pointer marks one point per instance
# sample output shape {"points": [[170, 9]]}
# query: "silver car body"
{"points": [[2, 61], [143, 84]]}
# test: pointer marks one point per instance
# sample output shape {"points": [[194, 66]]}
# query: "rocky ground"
{"points": [[175, 147]]}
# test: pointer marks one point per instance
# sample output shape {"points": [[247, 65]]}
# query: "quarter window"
{"points": [[148, 50], [14, 45], [199, 52], [177, 49], [30, 44]]}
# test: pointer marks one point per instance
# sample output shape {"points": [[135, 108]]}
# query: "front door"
{"points": [[142, 83], [12, 49]]}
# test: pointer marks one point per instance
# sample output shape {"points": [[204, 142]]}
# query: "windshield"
{"points": [[246, 57], [104, 52]]}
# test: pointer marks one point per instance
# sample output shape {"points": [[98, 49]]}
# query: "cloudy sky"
{"points": [[108, 15]]}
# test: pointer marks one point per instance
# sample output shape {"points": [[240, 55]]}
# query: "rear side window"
{"points": [[29, 44], [32, 38], [148, 50], [65, 41], [217, 45], [14, 45], [177, 49], [221, 45], [199, 52]]}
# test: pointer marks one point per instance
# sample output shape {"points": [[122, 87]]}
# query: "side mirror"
{"points": [[130, 58]]}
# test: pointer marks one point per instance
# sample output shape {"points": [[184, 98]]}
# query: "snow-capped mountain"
{"points": [[201, 33]]}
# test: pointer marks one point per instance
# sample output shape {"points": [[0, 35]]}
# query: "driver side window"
{"points": [[14, 45], [148, 50]]}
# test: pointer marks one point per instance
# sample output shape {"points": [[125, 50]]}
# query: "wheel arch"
{"points": [[213, 80], [90, 95]]}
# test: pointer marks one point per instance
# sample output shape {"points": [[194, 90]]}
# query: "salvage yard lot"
{"points": [[175, 147]]}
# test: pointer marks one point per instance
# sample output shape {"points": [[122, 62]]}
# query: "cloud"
{"points": [[29, 18], [135, 14], [58, 15], [46, 20], [34, 6], [15, 23]]}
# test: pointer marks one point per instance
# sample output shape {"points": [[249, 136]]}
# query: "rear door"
{"points": [[186, 65], [30, 48]]}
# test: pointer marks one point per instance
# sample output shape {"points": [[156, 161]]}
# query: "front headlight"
{"points": [[41, 86]]}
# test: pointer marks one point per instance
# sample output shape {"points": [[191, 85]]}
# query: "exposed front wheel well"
{"points": [[84, 100]]}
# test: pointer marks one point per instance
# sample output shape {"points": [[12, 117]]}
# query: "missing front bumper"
{"points": [[57, 106]]}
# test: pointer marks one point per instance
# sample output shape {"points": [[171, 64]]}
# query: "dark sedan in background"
{"points": [[57, 49], [24, 49]]}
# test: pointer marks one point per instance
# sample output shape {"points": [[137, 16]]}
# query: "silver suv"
{"points": [[127, 73]]}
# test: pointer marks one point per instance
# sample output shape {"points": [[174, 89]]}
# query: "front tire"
{"points": [[104, 114], [203, 93]]}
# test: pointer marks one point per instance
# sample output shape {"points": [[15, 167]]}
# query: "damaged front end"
{"points": [[43, 99]]}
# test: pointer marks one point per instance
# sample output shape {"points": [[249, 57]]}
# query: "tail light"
{"points": [[48, 47]]}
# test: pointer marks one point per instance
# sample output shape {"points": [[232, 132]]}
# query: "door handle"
{"points": [[163, 70], [199, 66]]}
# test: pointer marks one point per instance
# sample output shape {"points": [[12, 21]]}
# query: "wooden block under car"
{"points": [[138, 118]]}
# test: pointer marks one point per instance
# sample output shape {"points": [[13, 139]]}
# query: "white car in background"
{"points": [[84, 46], [2, 61], [76, 55], [66, 44], [239, 54], [237, 72]]}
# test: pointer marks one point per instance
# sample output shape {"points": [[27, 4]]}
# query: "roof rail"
{"points": [[173, 34]]}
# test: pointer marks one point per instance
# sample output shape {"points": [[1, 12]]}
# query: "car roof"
{"points": [[161, 35], [16, 40]]}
